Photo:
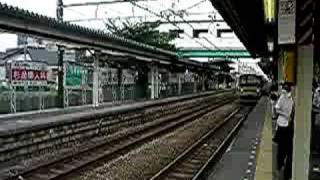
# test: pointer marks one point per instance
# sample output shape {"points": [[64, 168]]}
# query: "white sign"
{"points": [[69, 56], [287, 22]]}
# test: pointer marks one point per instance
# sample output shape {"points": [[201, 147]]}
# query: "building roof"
{"points": [[247, 19], [36, 54], [51, 57], [22, 21]]}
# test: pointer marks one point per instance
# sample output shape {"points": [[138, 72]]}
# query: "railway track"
{"points": [[91, 157], [192, 163], [109, 127]]}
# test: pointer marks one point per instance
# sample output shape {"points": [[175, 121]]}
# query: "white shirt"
{"points": [[316, 100], [284, 108]]}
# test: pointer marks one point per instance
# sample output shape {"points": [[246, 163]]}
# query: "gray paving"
{"points": [[236, 162]]}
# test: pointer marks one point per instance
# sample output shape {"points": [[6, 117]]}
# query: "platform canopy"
{"points": [[247, 19]]}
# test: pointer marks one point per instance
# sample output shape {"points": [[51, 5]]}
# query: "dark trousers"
{"points": [[284, 138], [315, 143]]}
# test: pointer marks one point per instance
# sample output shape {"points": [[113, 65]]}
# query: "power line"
{"points": [[149, 21], [133, 2], [195, 5], [185, 21], [98, 3], [168, 19], [80, 13]]}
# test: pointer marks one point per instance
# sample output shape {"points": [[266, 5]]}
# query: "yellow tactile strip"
{"points": [[264, 162]]}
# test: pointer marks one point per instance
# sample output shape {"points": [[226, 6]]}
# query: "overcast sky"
{"points": [[48, 8]]}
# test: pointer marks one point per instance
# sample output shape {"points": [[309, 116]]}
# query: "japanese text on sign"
{"points": [[75, 75], [287, 22], [29, 73]]}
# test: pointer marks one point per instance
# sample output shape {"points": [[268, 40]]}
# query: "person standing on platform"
{"points": [[316, 120], [284, 133], [273, 99]]}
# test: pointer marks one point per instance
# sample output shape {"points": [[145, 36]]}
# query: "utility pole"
{"points": [[60, 59]]}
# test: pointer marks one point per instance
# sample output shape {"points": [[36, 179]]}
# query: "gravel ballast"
{"points": [[148, 159]]}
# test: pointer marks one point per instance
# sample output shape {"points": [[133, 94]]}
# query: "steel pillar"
{"points": [[120, 84], [157, 83], [203, 80], [180, 76], [61, 95], [154, 82], [195, 83], [13, 100], [95, 86]]}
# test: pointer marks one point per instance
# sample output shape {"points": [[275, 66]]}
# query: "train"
{"points": [[251, 87]]}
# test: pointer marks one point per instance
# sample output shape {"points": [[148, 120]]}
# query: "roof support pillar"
{"points": [[61, 96], [154, 82], [180, 76], [303, 101], [203, 81], [120, 84], [95, 86], [195, 83], [303, 106]]}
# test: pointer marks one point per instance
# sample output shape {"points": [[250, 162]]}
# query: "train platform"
{"points": [[239, 161], [16, 123], [266, 158]]}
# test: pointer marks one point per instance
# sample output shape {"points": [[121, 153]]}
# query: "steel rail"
{"points": [[166, 170], [219, 149], [154, 132]]}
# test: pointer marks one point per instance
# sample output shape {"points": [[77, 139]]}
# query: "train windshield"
{"points": [[249, 80]]}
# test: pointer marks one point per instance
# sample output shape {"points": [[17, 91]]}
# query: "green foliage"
{"points": [[143, 32]]}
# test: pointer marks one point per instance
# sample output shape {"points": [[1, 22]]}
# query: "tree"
{"points": [[144, 32]]}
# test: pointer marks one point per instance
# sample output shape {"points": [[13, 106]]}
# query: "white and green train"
{"points": [[250, 87]]}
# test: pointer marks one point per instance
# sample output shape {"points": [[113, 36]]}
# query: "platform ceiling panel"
{"points": [[246, 18]]}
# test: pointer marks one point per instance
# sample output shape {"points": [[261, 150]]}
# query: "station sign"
{"points": [[287, 22], [75, 76], [214, 53], [28, 73]]}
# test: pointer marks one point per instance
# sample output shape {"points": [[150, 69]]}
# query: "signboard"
{"points": [[69, 56], [287, 22], [289, 66], [75, 76], [28, 73], [214, 53]]}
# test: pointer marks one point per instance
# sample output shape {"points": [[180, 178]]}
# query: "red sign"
{"points": [[29, 73]]}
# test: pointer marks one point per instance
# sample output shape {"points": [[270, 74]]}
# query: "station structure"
{"points": [[286, 32]]}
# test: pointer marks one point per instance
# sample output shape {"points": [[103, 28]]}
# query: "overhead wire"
{"points": [[168, 19], [188, 23], [195, 5], [134, 3], [77, 12]]}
